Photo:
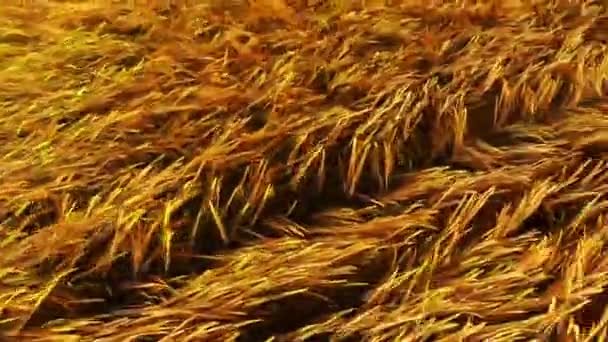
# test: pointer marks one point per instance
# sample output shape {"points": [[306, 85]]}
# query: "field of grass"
{"points": [[278, 170]]}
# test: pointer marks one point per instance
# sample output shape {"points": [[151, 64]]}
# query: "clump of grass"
{"points": [[302, 171]]}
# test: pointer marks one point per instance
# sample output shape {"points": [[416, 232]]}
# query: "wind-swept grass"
{"points": [[303, 171]]}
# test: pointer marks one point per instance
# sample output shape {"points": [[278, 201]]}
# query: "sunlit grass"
{"points": [[300, 170]]}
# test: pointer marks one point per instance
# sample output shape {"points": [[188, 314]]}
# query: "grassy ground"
{"points": [[224, 171]]}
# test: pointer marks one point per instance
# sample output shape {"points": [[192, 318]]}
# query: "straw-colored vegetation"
{"points": [[303, 171]]}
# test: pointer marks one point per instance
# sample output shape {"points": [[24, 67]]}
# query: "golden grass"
{"points": [[304, 171]]}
